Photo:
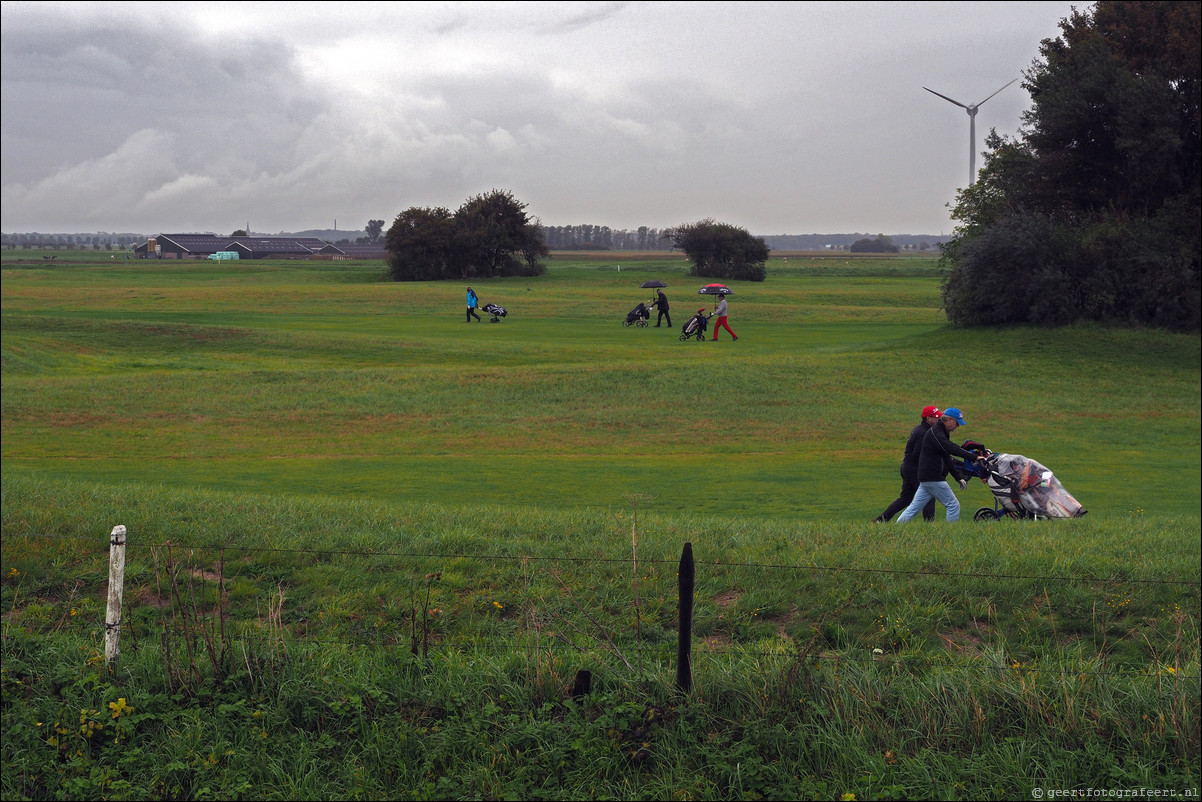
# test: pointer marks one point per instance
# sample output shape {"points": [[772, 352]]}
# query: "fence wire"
{"points": [[652, 652]]}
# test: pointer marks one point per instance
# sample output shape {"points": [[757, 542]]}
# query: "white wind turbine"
{"points": [[972, 129]]}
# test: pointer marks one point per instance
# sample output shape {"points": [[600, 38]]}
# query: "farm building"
{"points": [[201, 246], [352, 252]]}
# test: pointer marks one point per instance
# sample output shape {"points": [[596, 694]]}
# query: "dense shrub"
{"points": [[1093, 213]]}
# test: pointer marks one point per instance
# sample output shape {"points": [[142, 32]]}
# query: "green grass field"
{"points": [[367, 476], [315, 379]]}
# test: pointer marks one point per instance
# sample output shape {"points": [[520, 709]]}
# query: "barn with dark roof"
{"points": [[200, 246]]}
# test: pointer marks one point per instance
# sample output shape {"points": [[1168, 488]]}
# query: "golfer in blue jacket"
{"points": [[472, 303]]}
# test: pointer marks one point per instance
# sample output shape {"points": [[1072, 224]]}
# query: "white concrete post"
{"points": [[112, 615]]}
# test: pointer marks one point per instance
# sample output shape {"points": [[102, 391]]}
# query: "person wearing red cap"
{"points": [[935, 462], [909, 470]]}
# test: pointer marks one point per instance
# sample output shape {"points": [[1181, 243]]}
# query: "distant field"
{"points": [[318, 378]]}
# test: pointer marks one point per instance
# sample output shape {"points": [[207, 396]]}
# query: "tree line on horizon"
{"points": [[580, 237]]}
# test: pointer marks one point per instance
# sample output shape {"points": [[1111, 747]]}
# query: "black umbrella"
{"points": [[652, 284], [715, 289]]}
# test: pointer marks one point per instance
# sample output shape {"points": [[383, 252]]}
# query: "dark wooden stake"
{"points": [[684, 643], [582, 685]]}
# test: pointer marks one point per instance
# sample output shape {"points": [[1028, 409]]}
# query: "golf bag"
{"points": [[497, 312], [1021, 487], [638, 316], [695, 326]]}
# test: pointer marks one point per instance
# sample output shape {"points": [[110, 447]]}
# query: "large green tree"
{"points": [[721, 250], [493, 235], [1093, 211], [419, 245], [489, 235]]}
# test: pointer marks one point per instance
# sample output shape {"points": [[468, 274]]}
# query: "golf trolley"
{"points": [[1021, 487], [638, 316], [694, 327]]}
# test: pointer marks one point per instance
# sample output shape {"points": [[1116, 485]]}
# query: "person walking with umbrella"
{"points": [[661, 303], [661, 300], [720, 314]]}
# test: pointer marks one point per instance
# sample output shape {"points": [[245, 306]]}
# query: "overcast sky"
{"points": [[783, 118]]}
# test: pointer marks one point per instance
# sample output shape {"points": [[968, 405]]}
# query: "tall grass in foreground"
{"points": [[328, 721], [367, 650]]}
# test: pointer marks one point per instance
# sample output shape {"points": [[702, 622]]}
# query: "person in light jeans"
{"points": [[934, 463]]}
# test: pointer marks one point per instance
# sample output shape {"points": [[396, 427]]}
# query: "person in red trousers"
{"points": [[720, 314]]}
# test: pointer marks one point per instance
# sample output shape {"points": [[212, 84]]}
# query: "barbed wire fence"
{"points": [[197, 617]]}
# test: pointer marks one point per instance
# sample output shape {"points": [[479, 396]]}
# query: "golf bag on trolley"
{"points": [[497, 312], [1021, 487], [695, 326], [638, 316]]}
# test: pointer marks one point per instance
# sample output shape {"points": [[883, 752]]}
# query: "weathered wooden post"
{"points": [[684, 641], [112, 615]]}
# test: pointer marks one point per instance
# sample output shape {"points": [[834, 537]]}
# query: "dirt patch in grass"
{"points": [[148, 598], [966, 640], [783, 624], [727, 597]]}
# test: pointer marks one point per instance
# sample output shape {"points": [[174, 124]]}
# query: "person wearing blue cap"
{"points": [[934, 463]]}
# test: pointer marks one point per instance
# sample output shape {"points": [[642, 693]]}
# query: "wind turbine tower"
{"points": [[972, 129]]}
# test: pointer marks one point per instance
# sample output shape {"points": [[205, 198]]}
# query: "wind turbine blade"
{"points": [[948, 99], [983, 101]]}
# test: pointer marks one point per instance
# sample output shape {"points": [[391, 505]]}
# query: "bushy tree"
{"points": [[534, 247], [419, 245], [491, 231], [489, 235], [721, 250], [374, 230], [1092, 213], [881, 244]]}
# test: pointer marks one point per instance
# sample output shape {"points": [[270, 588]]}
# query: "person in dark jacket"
{"points": [[909, 470], [661, 302], [934, 464]]}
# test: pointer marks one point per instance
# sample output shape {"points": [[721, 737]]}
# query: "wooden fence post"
{"points": [[684, 642], [112, 615]]}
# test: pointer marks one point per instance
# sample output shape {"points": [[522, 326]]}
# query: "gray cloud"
{"points": [[784, 118]]}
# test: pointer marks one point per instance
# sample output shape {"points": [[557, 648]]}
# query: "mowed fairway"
{"points": [[324, 379]]}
